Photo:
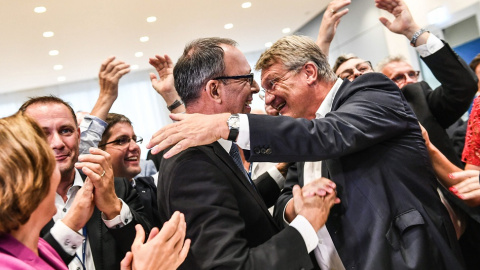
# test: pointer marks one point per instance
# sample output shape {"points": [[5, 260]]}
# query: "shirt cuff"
{"points": [[67, 238], [277, 176], [93, 123], [121, 220], [432, 46], [307, 231], [243, 139]]}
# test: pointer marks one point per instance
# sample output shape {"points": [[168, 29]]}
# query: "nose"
{"points": [[269, 98], [55, 141], [255, 87], [356, 73]]}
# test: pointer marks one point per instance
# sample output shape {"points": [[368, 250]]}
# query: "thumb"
{"points": [[178, 116], [139, 237], [126, 263], [297, 198], [385, 22]]}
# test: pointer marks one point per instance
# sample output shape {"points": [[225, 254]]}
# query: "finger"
{"points": [[184, 252], [106, 62], [126, 263], [112, 65], [385, 22], [169, 61], [95, 167], [170, 227], [472, 194], [153, 233], [178, 238], [462, 175], [153, 78], [139, 237], [466, 185]]}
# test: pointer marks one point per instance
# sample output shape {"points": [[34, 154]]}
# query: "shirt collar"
{"points": [[327, 103], [225, 144]]}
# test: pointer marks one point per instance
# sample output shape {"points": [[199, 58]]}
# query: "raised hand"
{"points": [[82, 207], [331, 18], [403, 23]]}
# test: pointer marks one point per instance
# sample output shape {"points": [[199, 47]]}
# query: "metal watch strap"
{"points": [[417, 34], [174, 105]]}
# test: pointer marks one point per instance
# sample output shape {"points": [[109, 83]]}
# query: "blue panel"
{"points": [[468, 50]]}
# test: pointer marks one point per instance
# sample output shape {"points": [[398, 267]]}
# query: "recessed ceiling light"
{"points": [[246, 5], [144, 39], [48, 34], [53, 52], [139, 54], [58, 67], [228, 26], [151, 19], [40, 9], [134, 67], [61, 78], [286, 30]]}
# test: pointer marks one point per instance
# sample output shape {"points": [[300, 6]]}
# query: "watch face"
{"points": [[234, 122]]}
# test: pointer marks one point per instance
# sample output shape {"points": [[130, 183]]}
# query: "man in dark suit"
{"points": [[369, 140], [107, 220], [228, 222]]}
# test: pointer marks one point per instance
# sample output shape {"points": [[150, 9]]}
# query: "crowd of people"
{"points": [[356, 162]]}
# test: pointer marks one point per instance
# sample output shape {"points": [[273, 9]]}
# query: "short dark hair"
{"points": [[112, 120], [202, 60], [342, 59], [46, 100], [475, 62]]}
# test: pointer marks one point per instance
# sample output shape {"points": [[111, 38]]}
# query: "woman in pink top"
{"points": [[28, 182]]}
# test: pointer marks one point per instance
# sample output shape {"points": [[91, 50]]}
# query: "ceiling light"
{"points": [[139, 54], [246, 5], [144, 39], [268, 44], [134, 67], [53, 52], [48, 34], [61, 78], [438, 15], [228, 26], [286, 30], [40, 9], [151, 19], [58, 67]]}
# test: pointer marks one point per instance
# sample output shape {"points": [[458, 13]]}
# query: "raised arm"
{"points": [[164, 84], [331, 18]]}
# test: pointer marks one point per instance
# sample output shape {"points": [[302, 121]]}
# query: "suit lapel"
{"points": [[225, 158]]}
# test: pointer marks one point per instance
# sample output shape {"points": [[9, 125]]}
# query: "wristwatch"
{"points": [[233, 123]]}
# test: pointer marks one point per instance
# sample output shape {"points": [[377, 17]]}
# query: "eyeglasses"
{"points": [[401, 78], [124, 141], [261, 94], [362, 67], [273, 82], [248, 76]]}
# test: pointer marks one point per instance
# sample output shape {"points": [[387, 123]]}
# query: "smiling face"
{"points": [[63, 135], [125, 158], [288, 92], [237, 93]]}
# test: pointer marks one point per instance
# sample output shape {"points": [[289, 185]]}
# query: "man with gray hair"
{"points": [[369, 143], [228, 222]]}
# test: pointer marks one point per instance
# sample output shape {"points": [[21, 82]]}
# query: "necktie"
{"points": [[238, 161]]}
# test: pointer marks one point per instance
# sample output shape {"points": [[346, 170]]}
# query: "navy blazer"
{"points": [[390, 215]]}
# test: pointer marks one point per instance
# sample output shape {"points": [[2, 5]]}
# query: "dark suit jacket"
{"points": [[227, 221], [390, 216], [108, 245], [147, 191], [438, 109]]}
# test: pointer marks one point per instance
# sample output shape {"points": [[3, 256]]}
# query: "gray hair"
{"points": [[201, 61], [294, 52], [389, 59]]}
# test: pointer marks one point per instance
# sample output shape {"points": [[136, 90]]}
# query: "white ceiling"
{"points": [[88, 31]]}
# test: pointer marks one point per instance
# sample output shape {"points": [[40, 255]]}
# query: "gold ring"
{"points": [[102, 173]]}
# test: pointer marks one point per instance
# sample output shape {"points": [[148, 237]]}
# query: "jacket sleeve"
{"points": [[286, 195], [458, 86], [268, 188]]}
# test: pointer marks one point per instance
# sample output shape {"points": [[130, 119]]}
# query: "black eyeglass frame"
{"points": [[138, 139], [248, 76]]}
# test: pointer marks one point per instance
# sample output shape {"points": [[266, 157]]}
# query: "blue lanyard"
{"points": [[84, 248]]}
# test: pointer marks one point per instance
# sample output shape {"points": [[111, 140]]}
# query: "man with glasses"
{"points": [[227, 220], [121, 142]]}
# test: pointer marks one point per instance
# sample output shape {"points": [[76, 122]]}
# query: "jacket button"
{"points": [[256, 150], [268, 151], [263, 151]]}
